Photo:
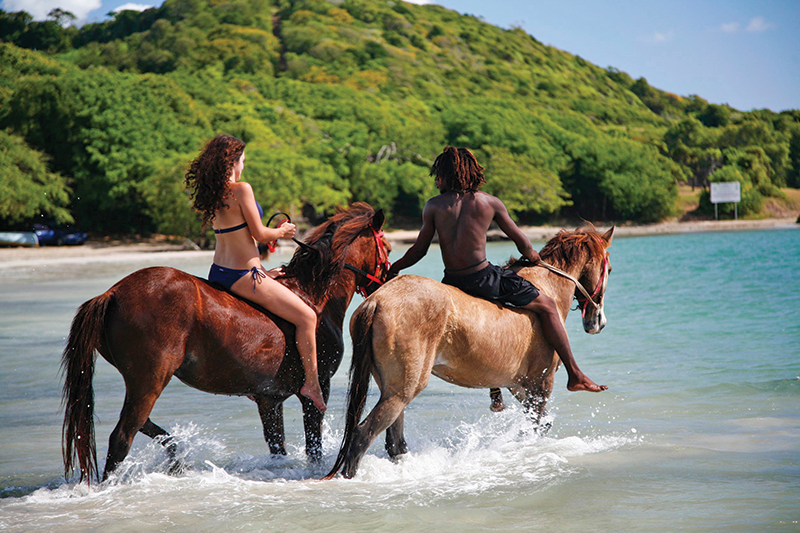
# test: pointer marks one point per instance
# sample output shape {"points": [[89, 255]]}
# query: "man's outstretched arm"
{"points": [[513, 232], [420, 247]]}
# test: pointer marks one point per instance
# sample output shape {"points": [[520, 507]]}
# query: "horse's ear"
{"points": [[378, 219], [608, 235]]}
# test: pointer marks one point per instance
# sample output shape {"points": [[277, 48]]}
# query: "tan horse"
{"points": [[414, 327]]}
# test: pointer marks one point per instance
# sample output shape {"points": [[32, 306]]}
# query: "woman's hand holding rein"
{"points": [[287, 230]]}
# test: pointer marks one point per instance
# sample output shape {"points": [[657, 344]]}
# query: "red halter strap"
{"points": [[383, 262], [603, 275]]}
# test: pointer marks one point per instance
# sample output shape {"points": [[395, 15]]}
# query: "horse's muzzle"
{"points": [[594, 322]]}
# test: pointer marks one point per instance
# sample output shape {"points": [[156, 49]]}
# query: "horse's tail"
{"points": [[77, 365], [360, 372]]}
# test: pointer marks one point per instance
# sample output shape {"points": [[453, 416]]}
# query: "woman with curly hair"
{"points": [[230, 206]]}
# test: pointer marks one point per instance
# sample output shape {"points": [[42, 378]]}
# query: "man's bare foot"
{"points": [[583, 383], [315, 395], [497, 400]]}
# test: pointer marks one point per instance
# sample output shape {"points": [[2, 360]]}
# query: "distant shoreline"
{"points": [[544, 233], [52, 255]]}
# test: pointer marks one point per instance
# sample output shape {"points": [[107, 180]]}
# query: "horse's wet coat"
{"points": [[416, 326], [159, 322]]}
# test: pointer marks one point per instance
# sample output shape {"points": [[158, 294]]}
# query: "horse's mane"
{"points": [[568, 246], [316, 267]]}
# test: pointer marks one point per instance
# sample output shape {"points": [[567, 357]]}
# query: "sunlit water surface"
{"points": [[699, 431]]}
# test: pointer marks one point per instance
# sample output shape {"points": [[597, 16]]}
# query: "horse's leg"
{"points": [[533, 399], [497, 405], [271, 413], [384, 414], [395, 438], [312, 423], [135, 412], [168, 442]]}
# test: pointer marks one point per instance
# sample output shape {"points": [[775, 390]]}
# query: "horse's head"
{"points": [[584, 253], [368, 256], [351, 239], [594, 278]]}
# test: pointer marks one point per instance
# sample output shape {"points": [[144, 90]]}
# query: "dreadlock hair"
{"points": [[456, 169], [207, 176]]}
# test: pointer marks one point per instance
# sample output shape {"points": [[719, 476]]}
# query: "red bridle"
{"points": [[382, 263], [383, 258], [600, 284]]}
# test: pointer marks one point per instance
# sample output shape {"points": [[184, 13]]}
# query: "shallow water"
{"points": [[699, 430]]}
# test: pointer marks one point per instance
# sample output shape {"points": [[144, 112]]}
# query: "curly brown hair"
{"points": [[208, 175], [457, 170]]}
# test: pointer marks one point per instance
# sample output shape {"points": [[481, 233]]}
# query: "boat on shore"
{"points": [[18, 238]]}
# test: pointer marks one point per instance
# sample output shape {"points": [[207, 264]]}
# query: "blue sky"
{"points": [[746, 54]]}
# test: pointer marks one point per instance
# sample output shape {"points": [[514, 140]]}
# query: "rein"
{"points": [[272, 244], [383, 256], [578, 285]]}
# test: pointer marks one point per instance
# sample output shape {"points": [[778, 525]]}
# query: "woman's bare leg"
{"points": [[279, 300]]}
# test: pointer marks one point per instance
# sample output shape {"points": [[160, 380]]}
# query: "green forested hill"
{"points": [[349, 100]]}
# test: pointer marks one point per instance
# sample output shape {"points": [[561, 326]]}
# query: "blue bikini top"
{"points": [[243, 224]]}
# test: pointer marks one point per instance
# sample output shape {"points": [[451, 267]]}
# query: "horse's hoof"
{"points": [[497, 407], [178, 468], [397, 456], [315, 457]]}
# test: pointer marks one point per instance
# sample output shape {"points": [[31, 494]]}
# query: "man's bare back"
{"points": [[461, 220], [461, 215]]}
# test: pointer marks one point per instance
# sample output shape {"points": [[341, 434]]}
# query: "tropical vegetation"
{"points": [[349, 100]]}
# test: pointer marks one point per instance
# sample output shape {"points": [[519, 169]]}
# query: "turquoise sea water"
{"points": [[699, 431]]}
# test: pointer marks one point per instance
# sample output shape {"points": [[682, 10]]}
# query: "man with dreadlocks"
{"points": [[461, 215]]}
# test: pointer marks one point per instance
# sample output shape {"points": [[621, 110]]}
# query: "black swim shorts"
{"points": [[495, 284]]}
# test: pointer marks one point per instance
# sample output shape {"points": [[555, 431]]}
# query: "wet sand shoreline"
{"points": [[11, 257]]}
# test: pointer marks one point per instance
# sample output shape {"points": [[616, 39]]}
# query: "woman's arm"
{"points": [[243, 193]]}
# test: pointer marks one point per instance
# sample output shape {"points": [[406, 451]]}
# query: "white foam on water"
{"points": [[496, 451]]}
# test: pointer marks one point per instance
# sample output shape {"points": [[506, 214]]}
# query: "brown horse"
{"points": [[416, 326], [160, 322]]}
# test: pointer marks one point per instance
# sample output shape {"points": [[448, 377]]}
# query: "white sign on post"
{"points": [[724, 192]]}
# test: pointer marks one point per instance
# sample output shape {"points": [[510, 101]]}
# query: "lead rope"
{"points": [[577, 283]]}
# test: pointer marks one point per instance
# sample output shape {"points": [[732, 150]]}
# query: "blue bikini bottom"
{"points": [[228, 276]]}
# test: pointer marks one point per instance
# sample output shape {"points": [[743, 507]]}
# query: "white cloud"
{"points": [[730, 27], [759, 24], [132, 7], [659, 37], [40, 8], [418, 1]]}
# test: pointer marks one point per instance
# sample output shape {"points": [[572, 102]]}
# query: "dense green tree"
{"points": [[620, 179], [103, 129], [352, 100], [715, 116], [793, 176], [28, 190]]}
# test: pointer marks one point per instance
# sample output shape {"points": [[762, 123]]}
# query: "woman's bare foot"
{"points": [[583, 383], [314, 393], [497, 400]]}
